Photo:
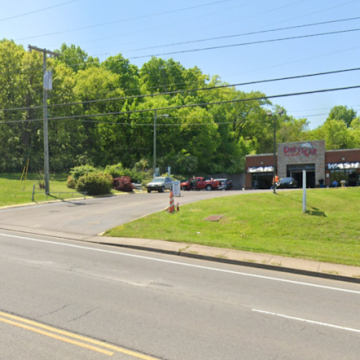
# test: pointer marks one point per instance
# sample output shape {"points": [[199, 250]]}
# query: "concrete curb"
{"points": [[184, 250], [258, 265]]}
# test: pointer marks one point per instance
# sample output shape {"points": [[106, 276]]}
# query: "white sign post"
{"points": [[176, 188], [304, 191]]}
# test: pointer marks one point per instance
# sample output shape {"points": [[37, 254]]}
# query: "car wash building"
{"points": [[293, 158]]}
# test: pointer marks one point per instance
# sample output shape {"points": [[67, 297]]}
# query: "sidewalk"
{"points": [[244, 258]]}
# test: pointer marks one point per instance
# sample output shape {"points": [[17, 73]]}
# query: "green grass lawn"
{"points": [[13, 192], [265, 223]]}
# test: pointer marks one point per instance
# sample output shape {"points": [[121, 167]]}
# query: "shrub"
{"points": [[70, 182], [82, 170], [123, 184], [117, 171], [95, 183], [114, 170]]}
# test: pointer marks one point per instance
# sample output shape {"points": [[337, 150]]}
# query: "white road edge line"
{"points": [[183, 264], [308, 321]]}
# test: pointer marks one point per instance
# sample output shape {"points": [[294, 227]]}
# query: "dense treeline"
{"points": [[202, 139]]}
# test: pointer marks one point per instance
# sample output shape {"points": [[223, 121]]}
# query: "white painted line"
{"points": [[308, 321], [184, 264]]}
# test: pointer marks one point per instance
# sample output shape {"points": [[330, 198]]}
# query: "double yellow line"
{"points": [[70, 338]]}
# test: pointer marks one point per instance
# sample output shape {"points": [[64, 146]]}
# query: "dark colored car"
{"points": [[224, 184], [285, 183]]}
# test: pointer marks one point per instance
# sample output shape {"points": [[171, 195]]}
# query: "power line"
{"points": [[248, 43], [221, 46], [225, 46], [245, 17], [40, 10], [178, 22], [186, 90], [123, 20], [167, 25], [247, 72], [190, 105], [241, 34]]}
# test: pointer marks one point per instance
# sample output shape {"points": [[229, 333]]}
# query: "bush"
{"points": [[79, 171], [95, 183], [117, 171], [114, 170], [123, 184], [70, 182]]}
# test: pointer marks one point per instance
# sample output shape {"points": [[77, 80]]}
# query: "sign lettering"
{"points": [[344, 166], [257, 169], [304, 149]]}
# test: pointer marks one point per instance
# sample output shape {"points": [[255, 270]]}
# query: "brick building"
{"points": [[293, 158]]}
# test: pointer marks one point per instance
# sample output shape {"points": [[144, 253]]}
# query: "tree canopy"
{"points": [[206, 139]]}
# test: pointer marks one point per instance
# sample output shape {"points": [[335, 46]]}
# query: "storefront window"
{"points": [[262, 181], [349, 176]]}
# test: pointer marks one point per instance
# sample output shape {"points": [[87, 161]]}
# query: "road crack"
{"points": [[53, 312], [85, 314]]}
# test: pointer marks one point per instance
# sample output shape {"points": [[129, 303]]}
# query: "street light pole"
{"points": [[155, 117], [154, 168]]}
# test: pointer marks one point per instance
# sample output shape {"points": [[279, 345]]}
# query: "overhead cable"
{"points": [[248, 43], [123, 20], [241, 34], [189, 105], [36, 11], [184, 91]]}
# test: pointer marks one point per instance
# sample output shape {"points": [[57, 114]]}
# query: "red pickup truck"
{"points": [[198, 183]]}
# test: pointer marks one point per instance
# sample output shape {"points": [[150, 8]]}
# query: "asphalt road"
{"points": [[85, 218], [165, 307]]}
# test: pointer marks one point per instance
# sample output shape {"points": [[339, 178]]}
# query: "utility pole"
{"points": [[46, 134]]}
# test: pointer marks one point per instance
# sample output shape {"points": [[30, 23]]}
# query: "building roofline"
{"points": [[299, 142], [270, 154], [357, 149]]}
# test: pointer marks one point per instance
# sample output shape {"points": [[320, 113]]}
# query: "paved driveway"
{"points": [[85, 218]]}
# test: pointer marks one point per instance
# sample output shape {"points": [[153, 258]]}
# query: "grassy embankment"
{"points": [[265, 223]]}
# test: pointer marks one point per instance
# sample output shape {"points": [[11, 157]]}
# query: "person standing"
{"points": [[321, 182]]}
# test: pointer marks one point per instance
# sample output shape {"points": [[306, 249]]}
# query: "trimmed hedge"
{"points": [[95, 183]]}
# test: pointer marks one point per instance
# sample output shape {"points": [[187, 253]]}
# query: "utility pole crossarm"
{"points": [[44, 51]]}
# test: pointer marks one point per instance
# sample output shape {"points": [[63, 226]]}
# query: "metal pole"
{"points": [[154, 171], [304, 191], [274, 187], [46, 136]]}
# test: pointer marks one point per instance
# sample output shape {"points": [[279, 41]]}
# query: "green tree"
{"points": [[129, 73], [342, 113]]}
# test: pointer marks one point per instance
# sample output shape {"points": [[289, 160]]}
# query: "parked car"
{"points": [[137, 186], [199, 183], [287, 182], [224, 184], [159, 184]]}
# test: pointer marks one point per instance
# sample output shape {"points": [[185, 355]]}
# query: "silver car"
{"points": [[159, 184]]}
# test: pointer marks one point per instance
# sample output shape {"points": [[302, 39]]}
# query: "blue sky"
{"points": [[144, 23]]}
